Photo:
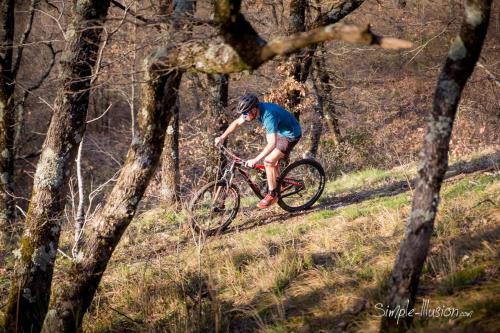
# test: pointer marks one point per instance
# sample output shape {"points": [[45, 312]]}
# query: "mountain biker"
{"points": [[283, 132]]}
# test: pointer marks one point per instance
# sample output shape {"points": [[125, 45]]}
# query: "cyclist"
{"points": [[283, 132]]}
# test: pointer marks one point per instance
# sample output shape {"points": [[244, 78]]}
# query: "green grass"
{"points": [[465, 186], [323, 214], [368, 178], [459, 280], [357, 180]]}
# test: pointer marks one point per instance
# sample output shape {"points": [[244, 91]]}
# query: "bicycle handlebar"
{"points": [[230, 155], [237, 160]]}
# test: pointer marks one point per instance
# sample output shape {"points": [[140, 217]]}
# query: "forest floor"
{"points": [[323, 270]]}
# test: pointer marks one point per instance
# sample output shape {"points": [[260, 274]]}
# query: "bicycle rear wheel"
{"points": [[213, 207], [301, 184]]}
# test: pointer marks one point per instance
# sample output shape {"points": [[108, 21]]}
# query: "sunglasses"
{"points": [[246, 113]]}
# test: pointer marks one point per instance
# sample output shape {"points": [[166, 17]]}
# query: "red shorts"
{"points": [[285, 145]]}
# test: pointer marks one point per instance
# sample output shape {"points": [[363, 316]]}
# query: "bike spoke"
{"points": [[214, 207], [301, 185]]}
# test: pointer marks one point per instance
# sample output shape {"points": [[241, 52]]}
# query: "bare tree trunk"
{"points": [[459, 65], [79, 285], [317, 123], [170, 173], [322, 80], [30, 290], [298, 64], [216, 85], [7, 121]]}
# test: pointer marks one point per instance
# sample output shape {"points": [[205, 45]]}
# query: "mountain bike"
{"points": [[216, 204]]}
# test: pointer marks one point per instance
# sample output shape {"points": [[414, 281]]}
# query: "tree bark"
{"points": [[316, 126], [300, 63], [458, 67], [216, 85], [30, 290], [170, 173], [7, 122], [322, 79]]}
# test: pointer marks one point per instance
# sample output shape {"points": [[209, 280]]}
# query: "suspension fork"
{"points": [[229, 181]]}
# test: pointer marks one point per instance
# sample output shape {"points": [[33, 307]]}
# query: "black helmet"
{"points": [[247, 102]]}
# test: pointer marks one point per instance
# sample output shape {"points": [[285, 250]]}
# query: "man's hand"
{"points": [[219, 140], [251, 163]]}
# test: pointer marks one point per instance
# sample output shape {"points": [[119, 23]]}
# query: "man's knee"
{"points": [[270, 163]]}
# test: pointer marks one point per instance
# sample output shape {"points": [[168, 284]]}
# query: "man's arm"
{"points": [[230, 129]]}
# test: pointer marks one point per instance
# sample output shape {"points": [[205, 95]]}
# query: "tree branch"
{"points": [[24, 37], [348, 33], [215, 56], [337, 13], [131, 12]]}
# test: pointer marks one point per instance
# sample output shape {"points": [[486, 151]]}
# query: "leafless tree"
{"points": [[299, 64], [323, 82], [170, 172], [10, 62], [216, 87], [459, 65]]}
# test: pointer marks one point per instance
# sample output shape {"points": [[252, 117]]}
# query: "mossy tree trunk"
{"points": [[170, 172], [458, 67], [299, 64], [11, 124], [30, 290], [7, 121]]}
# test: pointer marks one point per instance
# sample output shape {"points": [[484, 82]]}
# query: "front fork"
{"points": [[218, 189]]}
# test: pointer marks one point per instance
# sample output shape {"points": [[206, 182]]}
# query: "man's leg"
{"points": [[271, 164]]}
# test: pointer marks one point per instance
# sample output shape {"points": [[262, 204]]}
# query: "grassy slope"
{"points": [[324, 270]]}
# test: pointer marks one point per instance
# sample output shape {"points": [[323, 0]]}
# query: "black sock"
{"points": [[273, 193]]}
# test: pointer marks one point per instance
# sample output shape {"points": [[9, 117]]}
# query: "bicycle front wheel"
{"points": [[301, 184], [213, 207]]}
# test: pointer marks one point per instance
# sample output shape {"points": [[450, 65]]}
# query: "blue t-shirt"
{"points": [[275, 119]]}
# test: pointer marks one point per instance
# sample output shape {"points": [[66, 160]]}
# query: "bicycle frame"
{"points": [[238, 164]]}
